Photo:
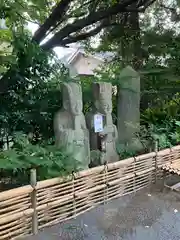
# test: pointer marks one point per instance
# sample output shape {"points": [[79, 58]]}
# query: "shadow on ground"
{"points": [[146, 215]]}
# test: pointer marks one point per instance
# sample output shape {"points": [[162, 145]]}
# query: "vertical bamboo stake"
{"points": [[134, 171], [170, 154], [74, 196], [164, 179], [34, 201], [105, 182], [156, 164]]}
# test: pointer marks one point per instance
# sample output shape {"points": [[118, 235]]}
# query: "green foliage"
{"points": [[124, 152], [162, 121], [19, 12], [34, 96], [17, 15], [167, 134], [34, 77], [86, 83], [47, 159], [166, 110]]}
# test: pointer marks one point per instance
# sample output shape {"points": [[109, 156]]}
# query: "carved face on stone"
{"points": [[103, 97], [72, 98], [105, 105]]}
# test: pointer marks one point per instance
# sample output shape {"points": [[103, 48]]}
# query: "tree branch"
{"points": [[83, 36], [82, 23], [168, 8], [55, 16], [123, 6], [67, 34], [147, 4], [66, 17], [27, 20]]}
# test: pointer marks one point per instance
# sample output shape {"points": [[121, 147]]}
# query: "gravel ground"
{"points": [[146, 215]]}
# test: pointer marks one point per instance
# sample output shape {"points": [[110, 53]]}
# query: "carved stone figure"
{"points": [[70, 125], [102, 96], [128, 108]]}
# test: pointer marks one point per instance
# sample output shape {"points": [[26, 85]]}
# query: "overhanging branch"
{"points": [[68, 34], [87, 21], [84, 36], [52, 20], [123, 6], [147, 4]]}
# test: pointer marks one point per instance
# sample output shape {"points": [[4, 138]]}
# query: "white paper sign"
{"points": [[98, 123]]}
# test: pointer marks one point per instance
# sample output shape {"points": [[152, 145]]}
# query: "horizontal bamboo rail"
{"points": [[26, 209], [15, 192]]}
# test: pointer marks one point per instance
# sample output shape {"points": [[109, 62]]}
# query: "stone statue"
{"points": [[128, 108], [70, 125], [102, 96]]}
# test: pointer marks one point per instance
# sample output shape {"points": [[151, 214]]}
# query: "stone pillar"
{"points": [[70, 128], [128, 107]]}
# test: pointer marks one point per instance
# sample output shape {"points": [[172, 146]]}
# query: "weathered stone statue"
{"points": [[70, 125], [102, 96], [128, 108]]}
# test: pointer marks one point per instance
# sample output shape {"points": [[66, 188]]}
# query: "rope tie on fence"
{"points": [[74, 195]]}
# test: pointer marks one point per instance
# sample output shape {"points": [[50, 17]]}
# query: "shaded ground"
{"points": [[147, 215]]}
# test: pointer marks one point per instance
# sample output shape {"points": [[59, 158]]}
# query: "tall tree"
{"points": [[149, 42], [70, 21]]}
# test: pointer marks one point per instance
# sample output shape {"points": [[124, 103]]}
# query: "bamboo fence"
{"points": [[25, 210]]}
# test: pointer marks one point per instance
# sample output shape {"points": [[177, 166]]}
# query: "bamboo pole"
{"points": [[105, 173], [53, 181], [20, 209], [81, 194], [7, 219], [34, 201], [120, 176], [156, 147], [164, 180], [12, 201], [9, 194], [92, 171], [74, 196], [84, 173], [164, 152]]}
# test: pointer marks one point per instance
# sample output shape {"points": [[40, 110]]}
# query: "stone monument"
{"points": [[70, 125], [102, 97], [128, 108]]}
